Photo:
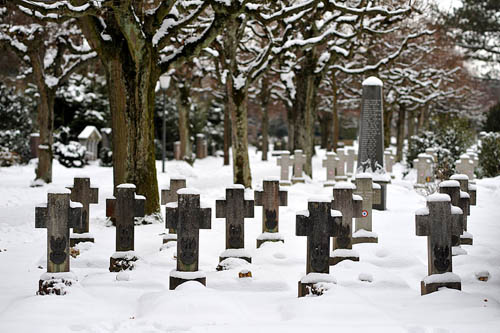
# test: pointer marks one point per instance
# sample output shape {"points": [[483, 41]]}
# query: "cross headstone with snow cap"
{"points": [[270, 198], [371, 194], [389, 159], [350, 205], [350, 158], [424, 166], [439, 221], [285, 161], [432, 152], [170, 195], [58, 215], [124, 207], [82, 192], [318, 223], [465, 165], [330, 163], [187, 216], [340, 170], [459, 199], [473, 155], [466, 238], [235, 208], [299, 159]]}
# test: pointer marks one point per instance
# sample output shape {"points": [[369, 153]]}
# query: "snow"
{"points": [[364, 175], [422, 211], [270, 236], [236, 253], [357, 197], [82, 235], [464, 195], [449, 183], [456, 210], [73, 204], [442, 278], [236, 187], [438, 197], [189, 191], [318, 277], [123, 255], [376, 186], [459, 176], [344, 253], [344, 186], [88, 131], [126, 186], [188, 275], [372, 81], [59, 276], [320, 199], [59, 190], [364, 233], [303, 213], [268, 301]]}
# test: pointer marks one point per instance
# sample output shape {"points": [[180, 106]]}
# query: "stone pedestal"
{"points": [[177, 281], [432, 287], [382, 204], [122, 261], [55, 283]]}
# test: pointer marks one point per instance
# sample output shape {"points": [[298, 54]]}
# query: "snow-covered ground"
{"points": [[268, 301]]}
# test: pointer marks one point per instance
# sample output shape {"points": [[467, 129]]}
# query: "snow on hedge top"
{"points": [[344, 186], [438, 197], [126, 186], [373, 81], [449, 183], [188, 191], [59, 190], [88, 131], [459, 176]]}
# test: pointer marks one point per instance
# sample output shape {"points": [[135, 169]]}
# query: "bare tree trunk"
{"points": [[410, 128], [227, 132], [400, 132], [335, 118], [183, 107], [264, 98], [291, 127], [387, 126]]}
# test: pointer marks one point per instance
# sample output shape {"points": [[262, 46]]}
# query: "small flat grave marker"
{"points": [[270, 198], [82, 192]]}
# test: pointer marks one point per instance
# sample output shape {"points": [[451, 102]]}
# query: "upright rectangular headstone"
{"points": [[82, 192], [299, 160], [270, 198], [285, 161], [319, 223], [235, 208], [439, 221], [371, 194], [187, 217], [371, 134], [350, 205], [330, 163], [58, 215], [124, 208]]}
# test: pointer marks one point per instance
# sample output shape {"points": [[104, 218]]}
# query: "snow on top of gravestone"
{"points": [[323, 198], [87, 132], [376, 186], [331, 153], [74, 204], [357, 197], [344, 186], [318, 277], [363, 175], [456, 210], [464, 195], [178, 178], [106, 130], [81, 176], [235, 253], [200, 135], [424, 155], [235, 187], [449, 183], [459, 176], [472, 187], [381, 177], [35, 134], [373, 81], [442, 278], [438, 197], [140, 197], [422, 211], [126, 186], [465, 156], [364, 233], [271, 179], [335, 213], [59, 190], [171, 205], [298, 151], [188, 191], [302, 213]]}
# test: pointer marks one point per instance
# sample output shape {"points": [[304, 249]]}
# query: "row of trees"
{"points": [[308, 54]]}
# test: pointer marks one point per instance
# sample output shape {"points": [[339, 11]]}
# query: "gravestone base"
{"points": [[339, 255], [177, 278], [121, 261], [466, 238], [55, 283], [80, 238], [269, 237], [285, 183], [340, 178], [169, 238], [315, 284], [383, 195], [364, 236], [432, 287], [236, 253], [330, 183], [296, 180]]}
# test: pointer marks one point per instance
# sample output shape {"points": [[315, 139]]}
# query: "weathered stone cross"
{"points": [[350, 205], [82, 192], [423, 164], [58, 215], [270, 198], [235, 209], [459, 199], [299, 159], [285, 162], [390, 159], [124, 208], [187, 217], [340, 170], [319, 223], [465, 165], [371, 194], [330, 163], [466, 238], [439, 221], [350, 158], [170, 195]]}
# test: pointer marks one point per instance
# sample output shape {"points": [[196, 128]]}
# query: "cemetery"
{"points": [[264, 166]]}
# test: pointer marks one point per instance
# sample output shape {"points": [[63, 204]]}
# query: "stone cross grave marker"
{"points": [[350, 205], [432, 152], [389, 160], [459, 199], [350, 158], [465, 165], [124, 207], [474, 157], [187, 217], [58, 215], [234, 208], [466, 238], [318, 223], [330, 163], [439, 221], [425, 172], [285, 161], [340, 170], [82, 192], [371, 133], [170, 195], [270, 198], [299, 160], [371, 194]]}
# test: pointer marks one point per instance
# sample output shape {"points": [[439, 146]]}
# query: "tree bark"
{"points": [[335, 118], [400, 132], [264, 98], [183, 107], [387, 126], [227, 132]]}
